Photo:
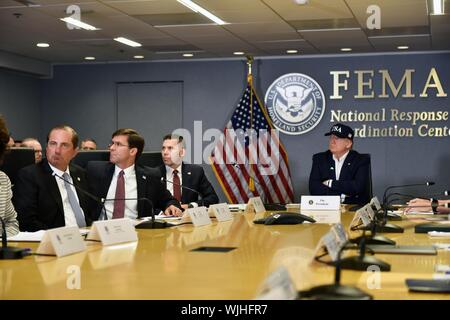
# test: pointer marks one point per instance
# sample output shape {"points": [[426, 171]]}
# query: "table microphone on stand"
{"points": [[10, 252], [335, 291]]}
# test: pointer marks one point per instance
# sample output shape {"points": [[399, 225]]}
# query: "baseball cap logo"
{"points": [[336, 128]]}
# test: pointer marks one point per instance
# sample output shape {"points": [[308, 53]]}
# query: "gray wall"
{"points": [[20, 103], [84, 96]]}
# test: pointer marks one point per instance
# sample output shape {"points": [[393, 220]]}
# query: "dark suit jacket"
{"points": [[38, 201], [148, 181], [353, 181], [193, 176]]}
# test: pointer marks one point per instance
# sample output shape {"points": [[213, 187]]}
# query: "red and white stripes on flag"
{"points": [[249, 159]]}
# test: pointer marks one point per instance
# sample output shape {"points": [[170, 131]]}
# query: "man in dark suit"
{"points": [[44, 200], [341, 170], [122, 178], [197, 189]]}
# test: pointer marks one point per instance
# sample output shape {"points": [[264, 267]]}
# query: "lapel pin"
{"points": [[144, 177], [189, 173], [78, 178], [348, 163], [331, 168]]}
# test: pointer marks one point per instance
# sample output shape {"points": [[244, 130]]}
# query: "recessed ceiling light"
{"points": [[78, 23], [187, 55], [238, 53], [196, 8], [402, 47], [89, 58], [139, 57], [438, 7], [346, 49], [128, 42], [292, 51], [42, 45]]}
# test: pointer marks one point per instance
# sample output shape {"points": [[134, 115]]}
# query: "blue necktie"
{"points": [[74, 202]]}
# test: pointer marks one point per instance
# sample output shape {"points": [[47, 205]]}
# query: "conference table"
{"points": [[163, 264]]}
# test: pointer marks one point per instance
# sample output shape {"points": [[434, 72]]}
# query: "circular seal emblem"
{"points": [[295, 103]]}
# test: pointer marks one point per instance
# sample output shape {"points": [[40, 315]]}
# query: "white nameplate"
{"points": [[199, 216], [61, 242], [324, 216], [221, 212], [113, 231], [278, 286], [331, 242], [376, 203], [362, 215], [320, 203], [339, 232], [256, 204]]}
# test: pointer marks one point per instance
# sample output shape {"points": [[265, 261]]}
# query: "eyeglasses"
{"points": [[117, 144]]}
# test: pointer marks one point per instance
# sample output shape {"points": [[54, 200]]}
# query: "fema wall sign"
{"points": [[295, 103]]}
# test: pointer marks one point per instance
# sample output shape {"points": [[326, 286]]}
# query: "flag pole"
{"points": [[251, 183]]}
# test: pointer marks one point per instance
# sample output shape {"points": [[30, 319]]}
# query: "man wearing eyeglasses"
{"points": [[130, 190], [44, 193]]}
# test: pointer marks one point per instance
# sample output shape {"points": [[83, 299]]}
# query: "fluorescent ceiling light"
{"points": [[42, 45], [196, 8], [89, 58], [128, 42], [292, 51], [238, 53], [438, 7], [346, 49], [139, 57], [187, 55], [78, 23], [402, 47]]}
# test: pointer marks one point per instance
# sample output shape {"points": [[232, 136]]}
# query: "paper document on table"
{"points": [[35, 236], [419, 212], [439, 234]]}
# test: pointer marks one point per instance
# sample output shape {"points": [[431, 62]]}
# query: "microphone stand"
{"points": [[374, 238], [362, 262], [335, 291], [10, 252]]}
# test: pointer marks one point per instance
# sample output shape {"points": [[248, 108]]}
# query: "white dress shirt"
{"points": [[69, 215], [130, 193], [338, 163]]}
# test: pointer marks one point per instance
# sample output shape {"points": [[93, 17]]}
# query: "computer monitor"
{"points": [[150, 159], [84, 156], [15, 159]]}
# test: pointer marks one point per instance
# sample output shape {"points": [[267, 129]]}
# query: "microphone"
{"points": [[428, 183], [184, 187], [336, 290], [10, 252], [146, 224], [392, 228], [103, 215]]}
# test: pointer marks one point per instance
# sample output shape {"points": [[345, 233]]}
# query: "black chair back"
{"points": [[15, 159], [84, 156], [150, 159]]}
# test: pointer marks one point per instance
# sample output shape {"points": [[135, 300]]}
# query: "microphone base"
{"points": [[362, 264], [7, 253], [334, 292], [154, 225], [390, 216], [389, 228], [373, 240]]}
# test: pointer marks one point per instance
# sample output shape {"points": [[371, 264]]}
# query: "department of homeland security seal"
{"points": [[295, 103]]}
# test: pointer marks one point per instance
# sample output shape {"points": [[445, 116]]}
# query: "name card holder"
{"points": [[256, 205], [363, 216], [332, 242], [61, 242], [113, 231], [221, 212], [199, 216], [278, 286], [323, 209]]}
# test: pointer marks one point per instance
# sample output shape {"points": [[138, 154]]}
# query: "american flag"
{"points": [[249, 159]]}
